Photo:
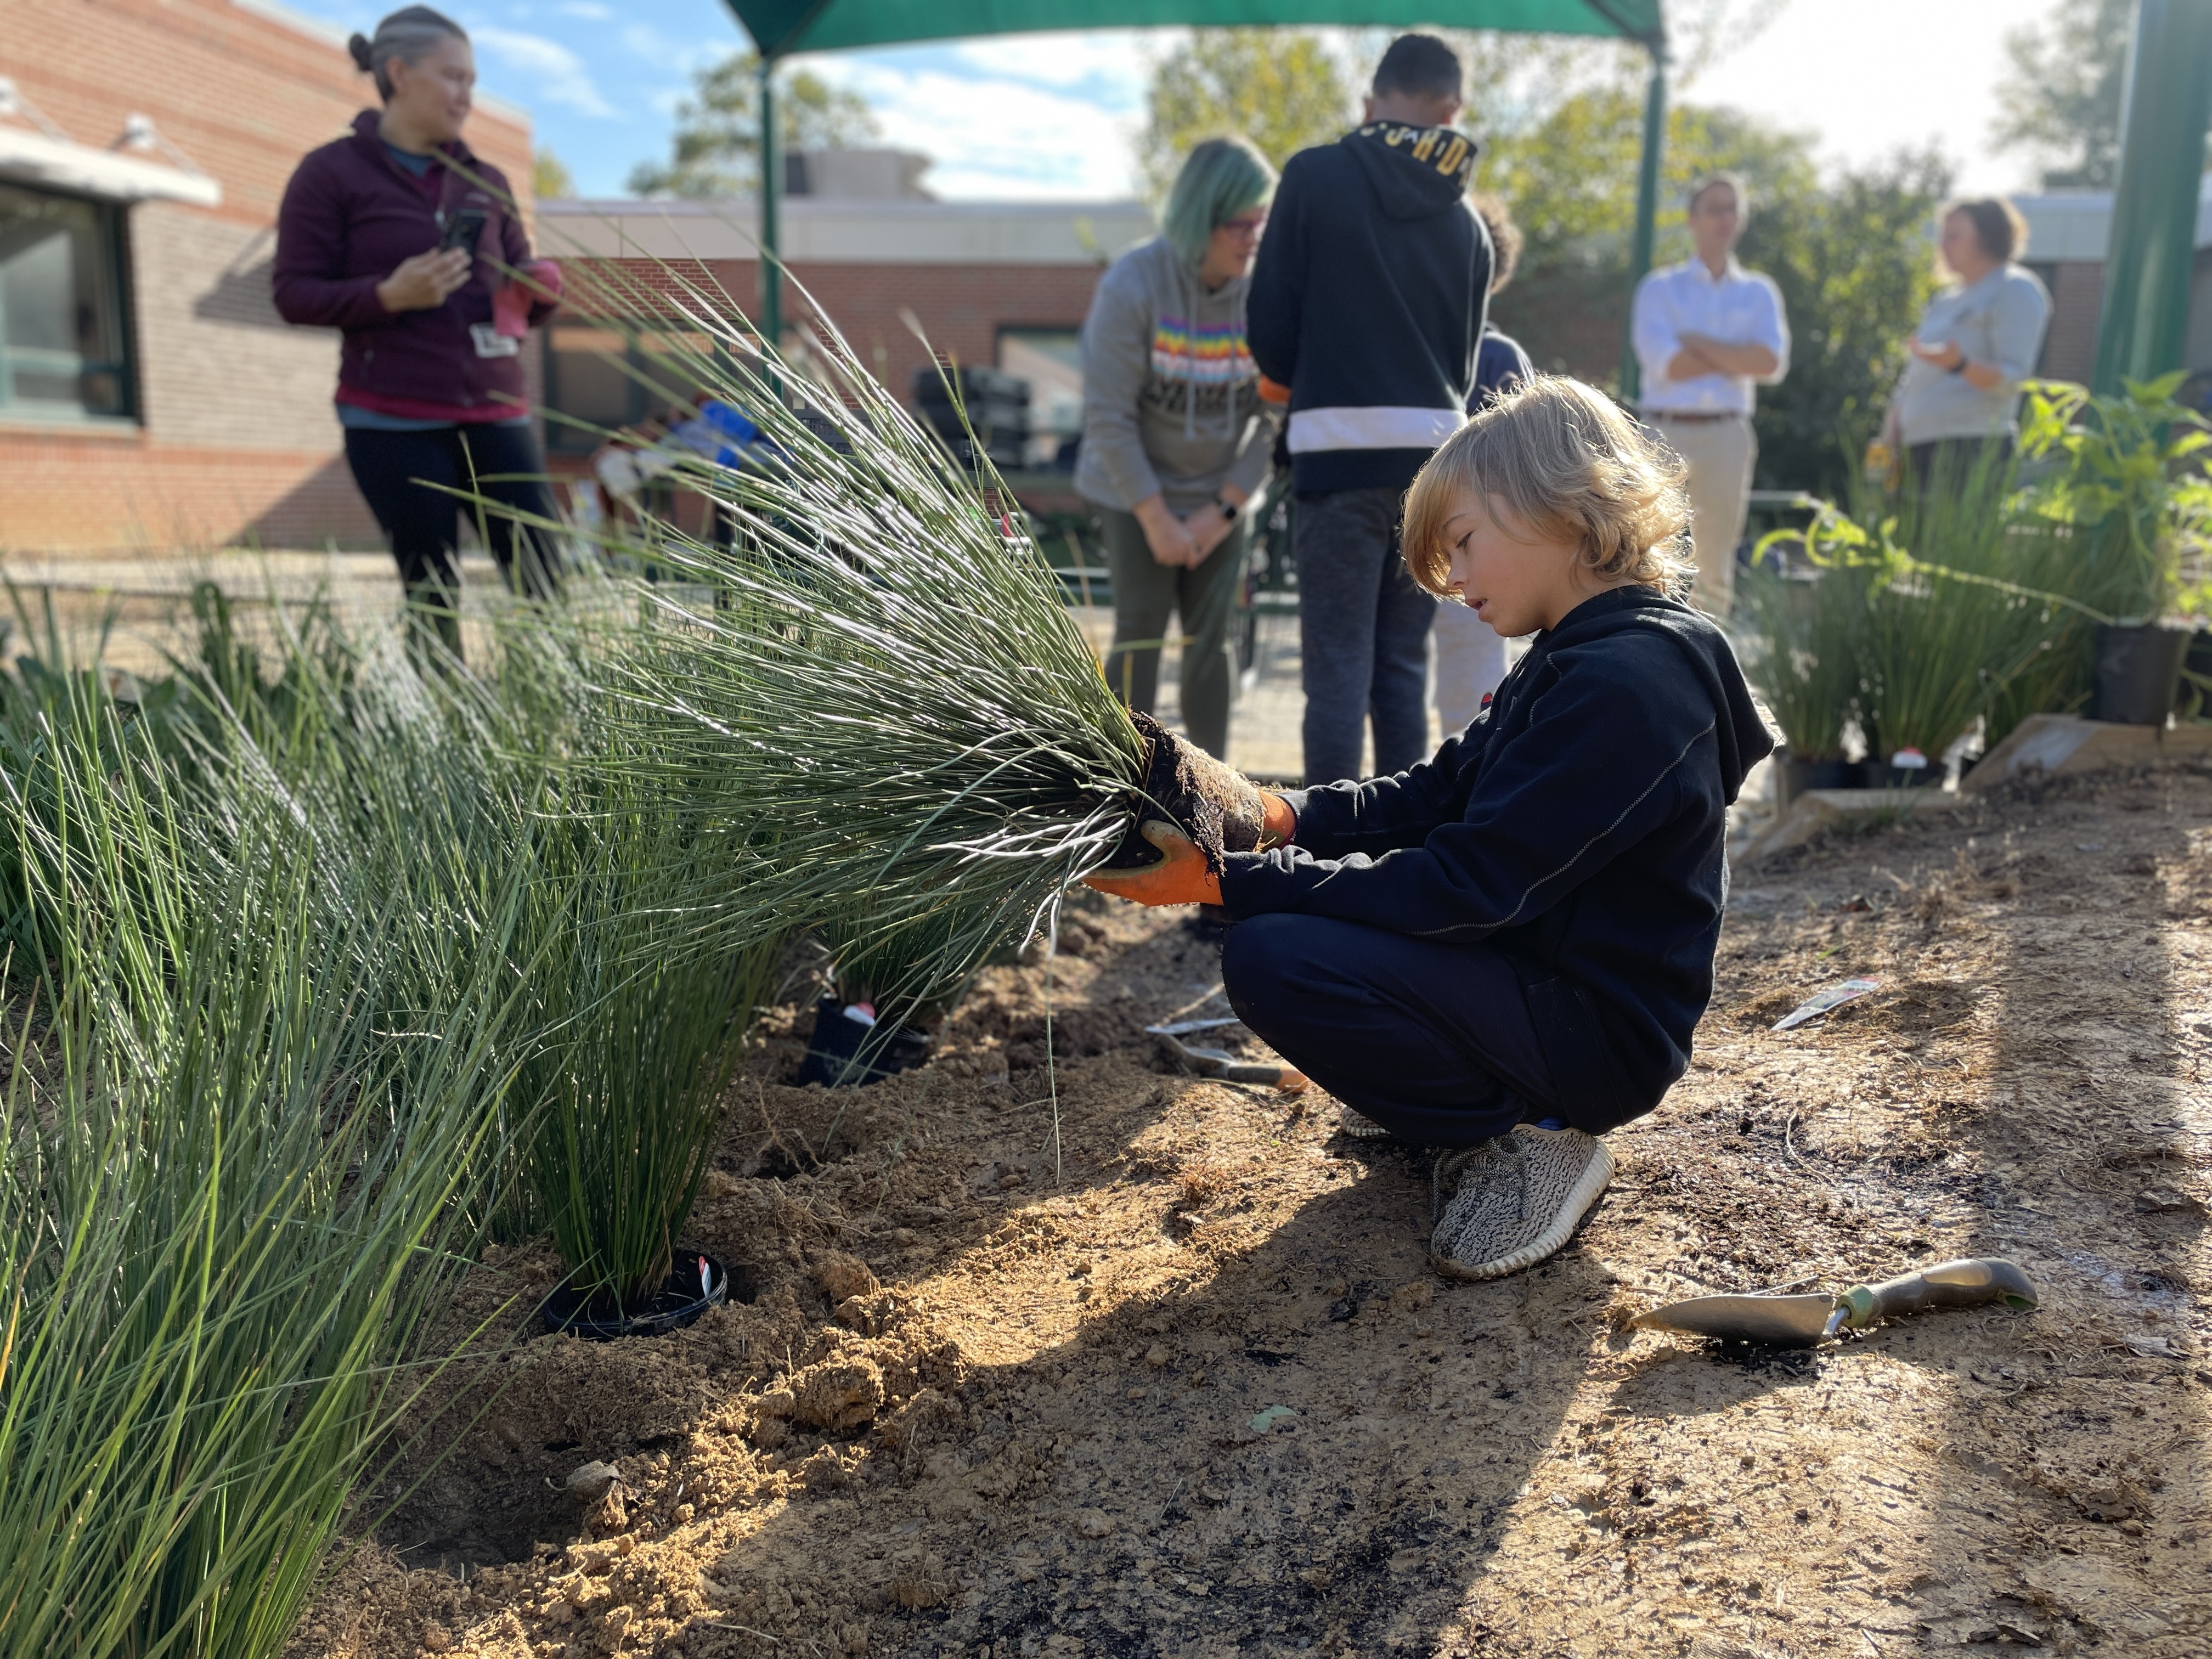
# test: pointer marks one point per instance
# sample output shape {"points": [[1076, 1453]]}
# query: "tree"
{"points": [[1285, 89], [715, 149], [2061, 101], [551, 180]]}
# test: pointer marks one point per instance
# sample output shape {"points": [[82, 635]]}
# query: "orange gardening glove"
{"points": [[1180, 877], [1273, 392]]}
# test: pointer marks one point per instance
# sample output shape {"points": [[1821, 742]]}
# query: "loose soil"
{"points": [[1108, 1359]]}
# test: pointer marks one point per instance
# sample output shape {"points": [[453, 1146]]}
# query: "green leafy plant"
{"points": [[1920, 602], [2123, 476]]}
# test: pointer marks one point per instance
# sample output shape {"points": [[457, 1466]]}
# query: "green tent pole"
{"points": [[771, 205], [2152, 255], [1647, 214]]}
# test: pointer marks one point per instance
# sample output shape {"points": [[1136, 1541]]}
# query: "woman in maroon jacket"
{"points": [[405, 239]]}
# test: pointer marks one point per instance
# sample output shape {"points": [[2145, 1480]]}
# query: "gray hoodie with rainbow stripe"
{"points": [[1171, 399]]}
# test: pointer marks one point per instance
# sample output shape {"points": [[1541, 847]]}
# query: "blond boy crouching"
{"points": [[1501, 952]]}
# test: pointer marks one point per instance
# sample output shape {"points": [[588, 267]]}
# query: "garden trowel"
{"points": [[1225, 1067], [1803, 1321]]}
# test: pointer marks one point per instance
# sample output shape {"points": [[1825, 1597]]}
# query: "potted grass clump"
{"points": [[1804, 665], [884, 1004], [640, 1021], [1941, 626]]}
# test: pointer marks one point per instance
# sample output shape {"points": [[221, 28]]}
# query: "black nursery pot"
{"points": [[2138, 673], [834, 1044], [1794, 777], [697, 1283]]}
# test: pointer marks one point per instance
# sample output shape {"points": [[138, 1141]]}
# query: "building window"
{"points": [[601, 378], [1051, 361], [62, 351]]}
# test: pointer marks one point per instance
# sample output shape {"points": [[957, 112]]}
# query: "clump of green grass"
{"points": [[885, 690], [1804, 664], [232, 1193]]}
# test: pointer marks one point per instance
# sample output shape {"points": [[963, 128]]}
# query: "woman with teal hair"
{"points": [[1176, 442]]}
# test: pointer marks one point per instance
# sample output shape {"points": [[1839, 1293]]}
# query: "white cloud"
{"points": [[590, 10], [1110, 65], [556, 74], [1009, 140]]}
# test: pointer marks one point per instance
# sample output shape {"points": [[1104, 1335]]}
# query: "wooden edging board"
{"points": [[2067, 743], [2052, 743], [1817, 812]]}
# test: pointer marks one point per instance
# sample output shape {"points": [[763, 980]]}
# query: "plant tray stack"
{"points": [[956, 402]]}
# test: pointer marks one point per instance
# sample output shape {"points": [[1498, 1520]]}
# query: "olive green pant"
{"points": [[1205, 599]]}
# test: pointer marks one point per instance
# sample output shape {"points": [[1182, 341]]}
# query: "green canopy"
{"points": [[780, 28]]}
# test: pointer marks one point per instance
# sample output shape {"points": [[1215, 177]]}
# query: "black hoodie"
{"points": [[1578, 826], [1368, 301]]}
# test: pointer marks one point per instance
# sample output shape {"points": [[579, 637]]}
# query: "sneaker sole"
{"points": [[1587, 1192]]}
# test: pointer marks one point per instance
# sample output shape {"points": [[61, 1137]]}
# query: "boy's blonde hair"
{"points": [[1564, 459]]}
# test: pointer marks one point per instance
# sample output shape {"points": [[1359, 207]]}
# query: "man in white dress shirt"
{"points": [[1707, 331]]}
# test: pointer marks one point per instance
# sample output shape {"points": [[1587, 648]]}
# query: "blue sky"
{"points": [[1053, 115], [1020, 116]]}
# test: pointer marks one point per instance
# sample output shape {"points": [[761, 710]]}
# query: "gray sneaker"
{"points": [[1514, 1200]]}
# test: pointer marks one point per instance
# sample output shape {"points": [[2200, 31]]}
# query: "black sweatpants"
{"points": [[1433, 1042], [396, 472]]}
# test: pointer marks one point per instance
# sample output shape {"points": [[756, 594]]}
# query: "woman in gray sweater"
{"points": [[1953, 414], [1175, 440]]}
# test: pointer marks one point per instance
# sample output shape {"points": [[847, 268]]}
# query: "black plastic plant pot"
{"points": [[1794, 777], [697, 1283], [833, 1051], [2198, 661], [2139, 673]]}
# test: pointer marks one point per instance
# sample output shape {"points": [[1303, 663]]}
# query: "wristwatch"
{"points": [[1959, 368], [1227, 509]]}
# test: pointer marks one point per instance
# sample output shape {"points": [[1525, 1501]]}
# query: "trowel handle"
{"points": [[1970, 1282]]}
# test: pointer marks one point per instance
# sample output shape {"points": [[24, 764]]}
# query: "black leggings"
{"points": [[400, 474]]}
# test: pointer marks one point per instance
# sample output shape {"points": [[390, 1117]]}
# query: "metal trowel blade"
{"points": [[1784, 1322]]}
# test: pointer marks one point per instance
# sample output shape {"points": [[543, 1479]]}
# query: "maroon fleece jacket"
{"points": [[350, 215]]}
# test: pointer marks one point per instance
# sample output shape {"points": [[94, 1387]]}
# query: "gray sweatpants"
{"points": [[1364, 633], [1145, 592]]}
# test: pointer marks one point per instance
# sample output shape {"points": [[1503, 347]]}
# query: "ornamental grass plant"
{"points": [[1804, 663], [885, 690], [232, 1192]]}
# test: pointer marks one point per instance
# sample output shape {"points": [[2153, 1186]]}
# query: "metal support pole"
{"points": [[2151, 258], [771, 206], [1647, 214]]}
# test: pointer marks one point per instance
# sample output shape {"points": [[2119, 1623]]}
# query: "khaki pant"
{"points": [[1720, 455]]}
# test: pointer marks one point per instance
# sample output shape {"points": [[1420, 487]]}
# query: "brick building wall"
{"points": [[234, 441], [2077, 295], [960, 309]]}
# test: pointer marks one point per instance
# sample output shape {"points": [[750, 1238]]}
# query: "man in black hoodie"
{"points": [[1368, 303]]}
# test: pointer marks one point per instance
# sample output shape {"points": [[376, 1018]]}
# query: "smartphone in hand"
{"points": [[463, 227]]}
